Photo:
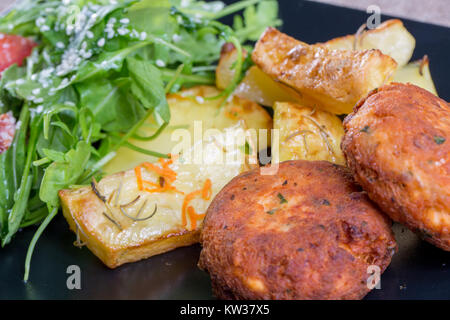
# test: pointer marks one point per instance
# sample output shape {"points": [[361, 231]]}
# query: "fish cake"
{"points": [[307, 232], [397, 144]]}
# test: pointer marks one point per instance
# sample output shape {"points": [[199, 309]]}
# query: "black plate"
{"points": [[418, 270]]}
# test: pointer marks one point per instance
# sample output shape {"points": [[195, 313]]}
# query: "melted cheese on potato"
{"points": [[186, 107], [121, 222]]}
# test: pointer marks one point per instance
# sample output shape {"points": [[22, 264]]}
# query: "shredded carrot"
{"points": [[138, 173], [186, 201], [166, 162], [164, 171], [163, 189], [207, 190], [169, 176], [193, 216], [167, 173], [186, 210]]}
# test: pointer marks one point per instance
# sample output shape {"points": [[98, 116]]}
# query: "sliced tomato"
{"points": [[7, 130], [14, 49]]}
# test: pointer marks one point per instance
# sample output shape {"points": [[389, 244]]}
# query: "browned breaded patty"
{"points": [[397, 144], [307, 232]]}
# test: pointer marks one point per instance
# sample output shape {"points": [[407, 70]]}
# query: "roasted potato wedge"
{"points": [[391, 38], [225, 71], [259, 87], [256, 85], [418, 73], [308, 134], [121, 222], [220, 151], [333, 80], [187, 107]]}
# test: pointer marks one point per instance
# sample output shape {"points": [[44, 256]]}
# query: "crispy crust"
{"points": [[317, 245], [397, 144], [333, 79]]}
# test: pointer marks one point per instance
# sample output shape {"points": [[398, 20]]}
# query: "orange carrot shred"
{"points": [[207, 190], [186, 201], [138, 174], [193, 216], [167, 173], [186, 210]]}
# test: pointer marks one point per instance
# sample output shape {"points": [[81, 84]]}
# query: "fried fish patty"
{"points": [[397, 144], [307, 232]]}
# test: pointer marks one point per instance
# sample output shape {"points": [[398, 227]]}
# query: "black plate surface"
{"points": [[418, 270]]}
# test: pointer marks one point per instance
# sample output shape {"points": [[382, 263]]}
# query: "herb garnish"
{"points": [[136, 218], [94, 187], [282, 198], [246, 149], [439, 140]]}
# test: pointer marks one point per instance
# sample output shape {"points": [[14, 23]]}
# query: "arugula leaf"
{"points": [[256, 19], [99, 71], [22, 192], [101, 96], [61, 174], [107, 61], [148, 87], [12, 163]]}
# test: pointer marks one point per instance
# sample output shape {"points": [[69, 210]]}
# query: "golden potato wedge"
{"points": [[418, 73], [256, 85], [391, 38], [259, 87], [225, 71], [308, 134], [187, 107], [333, 80], [121, 221]]}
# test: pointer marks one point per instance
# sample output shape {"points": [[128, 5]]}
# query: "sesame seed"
{"points": [[60, 45], [40, 21], [36, 91], [160, 63], [123, 31], [125, 21], [143, 36], [101, 42], [176, 38], [199, 99], [90, 34]]}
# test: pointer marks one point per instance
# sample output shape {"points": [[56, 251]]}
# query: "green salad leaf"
{"points": [[100, 70]]}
